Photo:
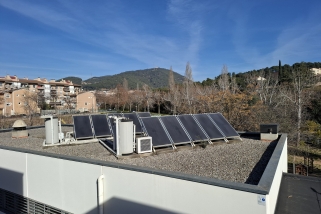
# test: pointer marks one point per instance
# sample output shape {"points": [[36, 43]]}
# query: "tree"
{"points": [[68, 101], [158, 98], [101, 98], [148, 96], [30, 105], [172, 99], [298, 95], [188, 88], [223, 81]]}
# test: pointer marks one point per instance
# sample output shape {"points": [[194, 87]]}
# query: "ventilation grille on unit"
{"points": [[144, 144], [14, 203]]}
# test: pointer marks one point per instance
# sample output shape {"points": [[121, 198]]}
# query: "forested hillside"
{"points": [[283, 72], [153, 77]]}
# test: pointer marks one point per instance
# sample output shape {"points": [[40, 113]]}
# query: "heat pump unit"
{"points": [[144, 144]]}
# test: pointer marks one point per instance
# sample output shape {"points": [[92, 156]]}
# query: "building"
{"points": [[61, 95], [86, 102], [87, 179], [316, 71], [20, 101]]}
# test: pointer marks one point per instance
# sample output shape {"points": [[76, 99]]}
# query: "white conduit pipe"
{"points": [[101, 180]]}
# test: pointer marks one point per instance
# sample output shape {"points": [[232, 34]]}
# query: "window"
{"points": [[7, 95], [8, 104], [19, 103], [86, 103], [17, 95]]}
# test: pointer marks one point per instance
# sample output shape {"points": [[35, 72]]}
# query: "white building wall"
{"points": [[274, 190], [174, 195], [68, 185], [13, 173], [72, 186]]}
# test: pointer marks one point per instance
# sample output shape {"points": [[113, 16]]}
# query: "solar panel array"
{"points": [[165, 131], [185, 129]]}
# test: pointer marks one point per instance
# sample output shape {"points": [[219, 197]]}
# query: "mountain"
{"points": [[153, 77], [75, 80]]}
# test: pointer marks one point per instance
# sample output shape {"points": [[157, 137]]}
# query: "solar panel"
{"points": [[175, 130], [135, 120], [224, 125], [82, 127], [155, 129], [208, 126], [194, 131], [100, 125], [144, 114]]}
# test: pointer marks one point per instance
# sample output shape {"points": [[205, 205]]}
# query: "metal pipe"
{"points": [[101, 193]]}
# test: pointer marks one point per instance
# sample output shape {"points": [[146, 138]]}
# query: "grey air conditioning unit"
{"points": [[144, 145]]}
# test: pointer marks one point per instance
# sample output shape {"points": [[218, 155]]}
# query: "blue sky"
{"points": [[55, 39]]}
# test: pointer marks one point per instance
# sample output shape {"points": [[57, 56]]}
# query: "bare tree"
{"points": [[297, 93], [137, 97], [158, 98], [68, 102], [172, 99], [267, 88], [188, 88], [223, 81], [30, 107], [125, 84], [101, 98], [148, 96]]}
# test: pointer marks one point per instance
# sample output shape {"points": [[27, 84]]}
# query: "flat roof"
{"points": [[299, 194], [236, 161]]}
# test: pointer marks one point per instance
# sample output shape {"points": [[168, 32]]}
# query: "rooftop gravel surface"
{"points": [[236, 161]]}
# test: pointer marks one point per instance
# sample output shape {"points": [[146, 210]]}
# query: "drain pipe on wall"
{"points": [[101, 180]]}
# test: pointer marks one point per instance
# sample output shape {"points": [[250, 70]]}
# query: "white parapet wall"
{"points": [[70, 184]]}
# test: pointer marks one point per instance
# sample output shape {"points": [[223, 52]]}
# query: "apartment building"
{"points": [[86, 102], [61, 95], [316, 71]]}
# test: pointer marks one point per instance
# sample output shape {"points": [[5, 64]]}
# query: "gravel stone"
{"points": [[237, 161]]}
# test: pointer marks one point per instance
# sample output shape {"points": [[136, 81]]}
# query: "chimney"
{"points": [[269, 132]]}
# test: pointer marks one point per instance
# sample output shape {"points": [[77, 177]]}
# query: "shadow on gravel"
{"points": [[257, 172]]}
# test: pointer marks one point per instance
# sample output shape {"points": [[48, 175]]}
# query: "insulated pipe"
{"points": [[101, 193], [52, 130]]}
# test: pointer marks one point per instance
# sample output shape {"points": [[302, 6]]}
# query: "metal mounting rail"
{"points": [[218, 128], [110, 126], [186, 132], [168, 135], [204, 132]]}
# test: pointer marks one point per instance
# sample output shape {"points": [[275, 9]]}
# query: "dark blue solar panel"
{"points": [[192, 128], [135, 120], [209, 126], [82, 127], [224, 125], [155, 130], [175, 130], [100, 125]]}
